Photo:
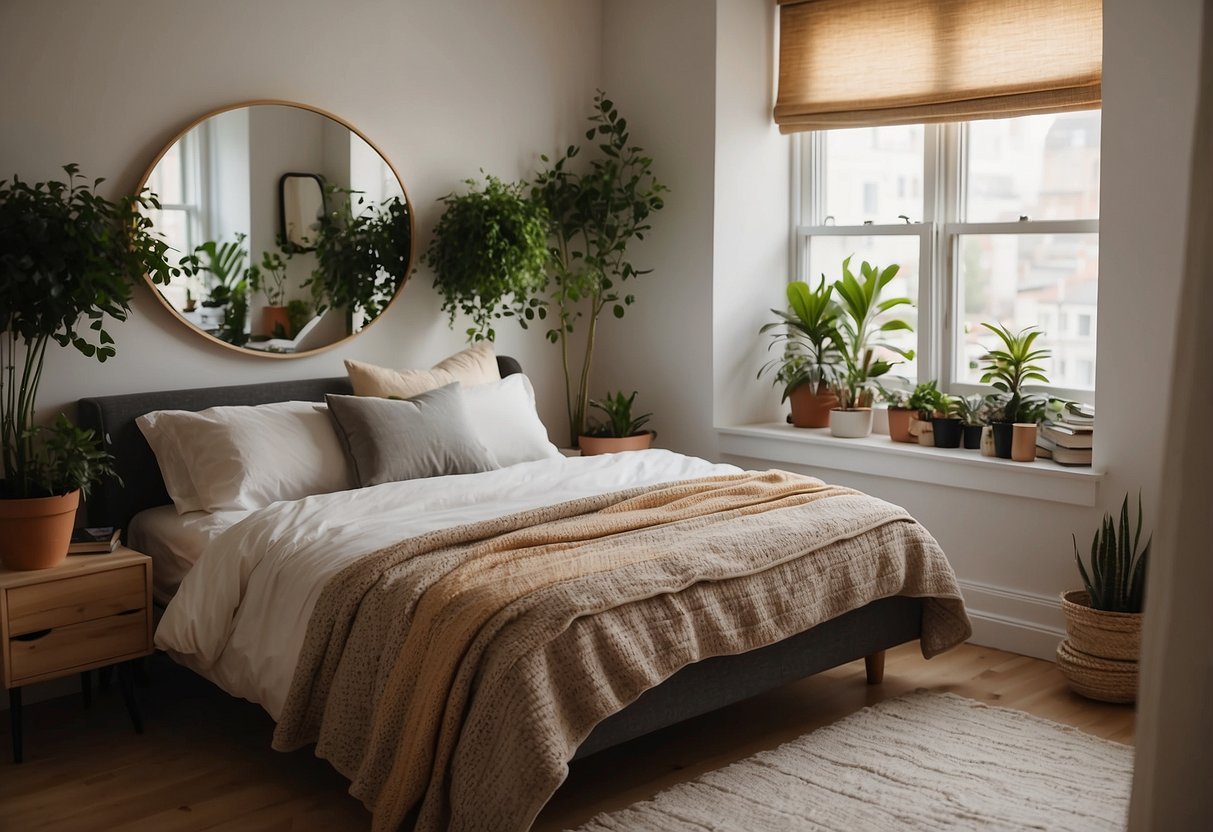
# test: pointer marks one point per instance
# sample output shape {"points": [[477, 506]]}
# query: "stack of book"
{"points": [[94, 541], [1068, 439]]}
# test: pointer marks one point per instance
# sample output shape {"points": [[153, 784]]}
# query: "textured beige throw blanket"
{"points": [[452, 676]]}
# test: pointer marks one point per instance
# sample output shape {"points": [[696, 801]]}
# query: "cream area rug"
{"points": [[923, 761]]}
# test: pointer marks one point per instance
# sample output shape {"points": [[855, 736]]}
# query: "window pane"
{"points": [[1044, 167], [166, 179], [1047, 280], [873, 173], [826, 255]]}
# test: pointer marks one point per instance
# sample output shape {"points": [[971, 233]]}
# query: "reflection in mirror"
{"points": [[282, 262], [301, 205]]}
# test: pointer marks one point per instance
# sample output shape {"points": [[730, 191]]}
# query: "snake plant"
{"points": [[1116, 581]]}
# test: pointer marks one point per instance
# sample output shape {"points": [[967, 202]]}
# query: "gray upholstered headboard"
{"points": [[114, 503]]}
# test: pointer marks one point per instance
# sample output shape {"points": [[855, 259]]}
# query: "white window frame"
{"points": [[945, 153]]}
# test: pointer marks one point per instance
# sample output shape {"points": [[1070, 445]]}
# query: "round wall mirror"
{"points": [[296, 232]]}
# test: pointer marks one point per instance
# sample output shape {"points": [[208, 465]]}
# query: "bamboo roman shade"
{"points": [[857, 63]]}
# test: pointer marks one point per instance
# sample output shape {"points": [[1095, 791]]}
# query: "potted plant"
{"points": [[1103, 620], [619, 431], [68, 259], [852, 417], [489, 254], [1008, 370], [922, 407], [860, 326], [974, 413], [811, 358], [900, 415], [595, 215], [270, 279], [945, 422]]}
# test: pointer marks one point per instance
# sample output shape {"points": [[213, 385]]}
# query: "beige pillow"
{"points": [[475, 365]]}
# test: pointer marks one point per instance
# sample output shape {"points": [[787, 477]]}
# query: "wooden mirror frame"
{"points": [[143, 180]]}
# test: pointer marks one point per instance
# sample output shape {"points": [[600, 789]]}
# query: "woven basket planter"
{"points": [[1107, 680], [1106, 635], [1099, 655]]}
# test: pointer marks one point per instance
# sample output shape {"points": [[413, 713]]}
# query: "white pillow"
{"points": [[242, 457], [504, 418]]}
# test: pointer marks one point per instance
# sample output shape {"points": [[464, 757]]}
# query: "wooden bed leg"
{"points": [[874, 665]]}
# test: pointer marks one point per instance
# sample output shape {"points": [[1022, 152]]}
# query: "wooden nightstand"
{"points": [[89, 612]]}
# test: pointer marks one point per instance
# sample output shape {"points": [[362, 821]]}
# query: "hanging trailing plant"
{"points": [[596, 215], [489, 254]]}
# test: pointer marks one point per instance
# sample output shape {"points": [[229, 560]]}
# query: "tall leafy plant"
{"points": [[808, 335], [489, 254], [1116, 581], [1010, 368], [596, 213], [68, 260], [863, 326]]}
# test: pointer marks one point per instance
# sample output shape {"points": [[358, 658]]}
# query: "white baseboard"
{"points": [[1019, 622]]}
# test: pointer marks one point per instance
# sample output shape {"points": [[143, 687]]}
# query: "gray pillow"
{"points": [[389, 440]]}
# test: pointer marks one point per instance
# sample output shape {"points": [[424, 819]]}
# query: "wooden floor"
{"points": [[205, 762]]}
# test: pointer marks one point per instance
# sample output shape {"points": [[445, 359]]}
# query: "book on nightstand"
{"points": [[95, 540]]}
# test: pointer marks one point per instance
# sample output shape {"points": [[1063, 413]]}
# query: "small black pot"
{"points": [[947, 432], [972, 437], [1003, 431]]}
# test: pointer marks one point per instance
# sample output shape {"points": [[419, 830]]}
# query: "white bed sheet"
{"points": [[240, 615], [174, 542]]}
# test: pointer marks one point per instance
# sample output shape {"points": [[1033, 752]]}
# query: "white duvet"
{"points": [[240, 615]]}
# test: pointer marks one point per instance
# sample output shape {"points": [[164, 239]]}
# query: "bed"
{"points": [[696, 688]]}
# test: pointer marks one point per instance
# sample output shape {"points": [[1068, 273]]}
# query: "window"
{"points": [[176, 180], [994, 220]]}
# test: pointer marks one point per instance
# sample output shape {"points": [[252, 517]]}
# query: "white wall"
{"points": [[444, 87], [694, 79], [663, 346]]}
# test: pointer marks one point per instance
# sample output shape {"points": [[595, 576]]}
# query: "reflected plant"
{"points": [[225, 261], [362, 253], [269, 278]]}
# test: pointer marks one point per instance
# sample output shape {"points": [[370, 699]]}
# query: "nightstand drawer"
{"points": [[100, 641], [74, 600]]}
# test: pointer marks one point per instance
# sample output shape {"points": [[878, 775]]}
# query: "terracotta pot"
{"points": [[1003, 432], [274, 316], [851, 424], [1023, 441], [35, 532], [899, 424], [593, 445], [811, 408], [947, 432]]}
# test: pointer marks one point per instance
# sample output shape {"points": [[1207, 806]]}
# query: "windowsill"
{"points": [[878, 456]]}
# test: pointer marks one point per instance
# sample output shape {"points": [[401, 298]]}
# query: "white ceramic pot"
{"points": [[851, 424]]}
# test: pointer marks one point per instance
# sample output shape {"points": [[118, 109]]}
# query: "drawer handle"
{"points": [[131, 612], [34, 636]]}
